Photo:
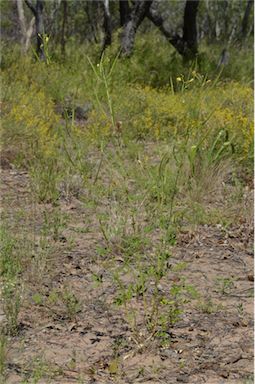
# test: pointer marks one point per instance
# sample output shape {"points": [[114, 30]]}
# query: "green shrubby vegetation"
{"points": [[153, 95], [161, 140]]}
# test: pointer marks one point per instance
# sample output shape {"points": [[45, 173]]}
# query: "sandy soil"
{"points": [[210, 344]]}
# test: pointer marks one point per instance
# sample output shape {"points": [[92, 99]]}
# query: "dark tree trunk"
{"points": [[107, 26], [187, 44], [246, 18], [173, 38], [190, 29], [137, 15], [63, 29], [89, 11], [39, 26], [224, 58], [124, 12]]}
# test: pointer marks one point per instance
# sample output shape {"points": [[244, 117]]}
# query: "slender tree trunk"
{"points": [[124, 12], [246, 18], [39, 26], [26, 32], [137, 15], [187, 44], [22, 21], [107, 26], [174, 39], [63, 29], [29, 34], [224, 58], [91, 21], [190, 29]]}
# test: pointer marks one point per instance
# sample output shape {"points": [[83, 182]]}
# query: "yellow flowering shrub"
{"points": [[31, 123], [99, 126], [160, 114], [200, 107]]}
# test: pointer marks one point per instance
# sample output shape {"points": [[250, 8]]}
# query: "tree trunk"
{"points": [[173, 38], [246, 18], [137, 15], [107, 26], [91, 21], [124, 12], [187, 44], [26, 33], [22, 21], [29, 34], [63, 29], [190, 29], [39, 26], [224, 58]]}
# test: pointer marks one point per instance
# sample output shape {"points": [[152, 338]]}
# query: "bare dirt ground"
{"points": [[212, 342]]}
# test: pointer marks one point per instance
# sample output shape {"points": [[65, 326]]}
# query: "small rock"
{"points": [[62, 239], [160, 288], [80, 111], [251, 277], [183, 378], [168, 354], [224, 373]]}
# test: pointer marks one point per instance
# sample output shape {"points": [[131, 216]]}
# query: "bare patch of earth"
{"points": [[212, 343]]}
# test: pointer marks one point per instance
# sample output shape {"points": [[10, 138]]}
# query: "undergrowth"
{"points": [[158, 143]]}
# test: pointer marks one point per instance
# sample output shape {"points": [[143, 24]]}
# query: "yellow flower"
{"points": [[178, 79]]}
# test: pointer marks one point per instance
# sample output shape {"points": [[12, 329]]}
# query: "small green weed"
{"points": [[63, 302], [10, 285], [37, 299], [11, 296], [208, 306], [45, 177], [73, 305], [143, 297], [9, 262], [224, 285], [249, 380], [54, 223], [39, 369], [3, 355]]}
